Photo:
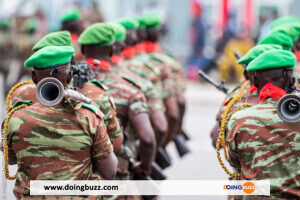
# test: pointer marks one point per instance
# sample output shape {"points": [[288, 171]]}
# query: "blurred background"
{"points": [[203, 33], [198, 30]]}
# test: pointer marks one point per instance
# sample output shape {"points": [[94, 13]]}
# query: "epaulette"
{"points": [[104, 87], [171, 54], [18, 103], [94, 109], [153, 68], [131, 80], [157, 59]]}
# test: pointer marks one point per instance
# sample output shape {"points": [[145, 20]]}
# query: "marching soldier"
{"points": [[93, 89], [97, 46], [154, 31], [146, 69], [262, 146], [71, 21], [7, 50], [245, 92], [64, 142], [154, 101]]}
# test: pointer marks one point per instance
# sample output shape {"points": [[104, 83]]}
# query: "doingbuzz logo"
{"points": [[247, 187]]}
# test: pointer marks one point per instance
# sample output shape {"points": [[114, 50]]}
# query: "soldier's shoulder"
{"points": [[93, 109], [99, 84], [131, 79]]}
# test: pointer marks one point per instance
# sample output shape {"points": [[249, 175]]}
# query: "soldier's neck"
{"points": [[99, 56]]}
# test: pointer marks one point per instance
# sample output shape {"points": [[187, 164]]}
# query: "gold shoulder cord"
{"points": [[4, 140], [225, 118], [13, 89]]}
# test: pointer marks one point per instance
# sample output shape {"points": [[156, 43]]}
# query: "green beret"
{"points": [[142, 23], [278, 38], [129, 23], [273, 59], [256, 51], [120, 31], [293, 30], [283, 21], [73, 14], [5, 23], [30, 24], [49, 56], [59, 38], [152, 20], [98, 34]]}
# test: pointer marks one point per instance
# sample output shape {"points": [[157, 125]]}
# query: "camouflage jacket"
{"points": [[100, 98], [166, 67], [261, 146], [104, 101], [24, 92], [129, 100], [56, 143], [176, 69], [230, 96], [154, 101], [145, 69]]}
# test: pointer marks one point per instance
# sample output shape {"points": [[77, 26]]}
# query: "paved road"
{"points": [[201, 163]]}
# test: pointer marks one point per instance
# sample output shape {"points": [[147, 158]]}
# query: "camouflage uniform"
{"points": [[262, 146], [166, 76], [130, 101], [93, 90], [146, 70], [154, 101], [24, 92], [56, 143], [103, 100], [176, 69]]}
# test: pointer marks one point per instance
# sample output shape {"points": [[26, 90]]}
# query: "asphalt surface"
{"points": [[200, 164]]}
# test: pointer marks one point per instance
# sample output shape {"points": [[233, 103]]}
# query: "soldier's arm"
{"points": [[147, 148], [11, 154], [157, 115], [173, 116], [232, 132], [140, 121], [113, 125], [103, 156], [160, 125]]}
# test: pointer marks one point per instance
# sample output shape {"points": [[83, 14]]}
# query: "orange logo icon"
{"points": [[248, 187]]}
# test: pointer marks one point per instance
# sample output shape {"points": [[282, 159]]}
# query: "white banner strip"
{"points": [[168, 187]]}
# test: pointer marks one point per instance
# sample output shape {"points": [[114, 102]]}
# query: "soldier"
{"points": [[25, 41], [154, 101], [97, 46], [247, 90], [7, 51], [71, 21], [262, 146], [159, 77], [153, 23], [64, 142], [93, 89]]}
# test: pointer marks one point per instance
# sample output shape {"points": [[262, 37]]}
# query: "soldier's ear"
{"points": [[33, 76], [292, 82], [254, 79], [82, 49], [111, 50]]}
